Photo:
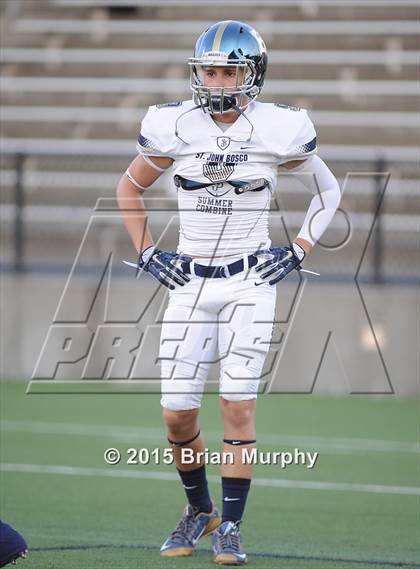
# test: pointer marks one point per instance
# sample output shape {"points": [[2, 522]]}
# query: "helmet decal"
{"points": [[218, 36]]}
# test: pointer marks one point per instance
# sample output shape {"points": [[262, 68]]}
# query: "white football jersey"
{"points": [[216, 218]]}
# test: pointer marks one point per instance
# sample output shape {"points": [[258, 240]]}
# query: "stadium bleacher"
{"points": [[77, 76]]}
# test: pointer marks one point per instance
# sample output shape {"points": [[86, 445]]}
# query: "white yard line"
{"points": [[146, 435], [173, 477]]}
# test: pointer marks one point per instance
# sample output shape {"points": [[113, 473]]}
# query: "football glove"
{"points": [[162, 265], [280, 262]]}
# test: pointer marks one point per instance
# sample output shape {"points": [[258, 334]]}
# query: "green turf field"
{"points": [[358, 507]]}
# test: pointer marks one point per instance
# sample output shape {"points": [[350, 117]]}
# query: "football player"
{"points": [[225, 149], [12, 545]]}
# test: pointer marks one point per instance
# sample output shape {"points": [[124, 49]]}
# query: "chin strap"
{"points": [[240, 111], [230, 101]]}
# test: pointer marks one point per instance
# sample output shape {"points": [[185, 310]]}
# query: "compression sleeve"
{"points": [[315, 175]]}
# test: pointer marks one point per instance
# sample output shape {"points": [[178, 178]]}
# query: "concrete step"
{"points": [[141, 99], [51, 56], [104, 169], [170, 33], [145, 69], [245, 11], [131, 115], [48, 215], [88, 198], [367, 154], [326, 134], [283, 42], [77, 181], [301, 11], [176, 87]]}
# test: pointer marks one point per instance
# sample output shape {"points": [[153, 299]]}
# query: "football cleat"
{"points": [[12, 545], [227, 545], [191, 527]]}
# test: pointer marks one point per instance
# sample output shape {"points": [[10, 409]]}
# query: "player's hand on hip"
{"points": [[165, 266], [280, 261]]}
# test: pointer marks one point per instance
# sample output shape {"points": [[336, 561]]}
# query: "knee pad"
{"points": [[238, 383]]}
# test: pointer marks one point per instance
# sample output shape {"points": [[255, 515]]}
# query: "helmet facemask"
{"points": [[217, 99]]}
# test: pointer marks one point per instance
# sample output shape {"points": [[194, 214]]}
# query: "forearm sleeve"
{"points": [[321, 182]]}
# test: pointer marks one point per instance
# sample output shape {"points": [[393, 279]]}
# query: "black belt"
{"points": [[218, 272], [238, 186]]}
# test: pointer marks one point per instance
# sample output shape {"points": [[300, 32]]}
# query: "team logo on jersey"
{"points": [[223, 142], [218, 171]]}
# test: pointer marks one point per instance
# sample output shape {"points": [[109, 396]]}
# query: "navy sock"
{"points": [[196, 489], [235, 492]]}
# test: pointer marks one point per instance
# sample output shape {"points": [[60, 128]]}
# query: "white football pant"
{"points": [[226, 320]]}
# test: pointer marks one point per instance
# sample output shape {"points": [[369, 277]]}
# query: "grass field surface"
{"points": [[358, 507]]}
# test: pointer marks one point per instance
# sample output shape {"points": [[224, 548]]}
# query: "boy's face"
{"points": [[225, 77]]}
